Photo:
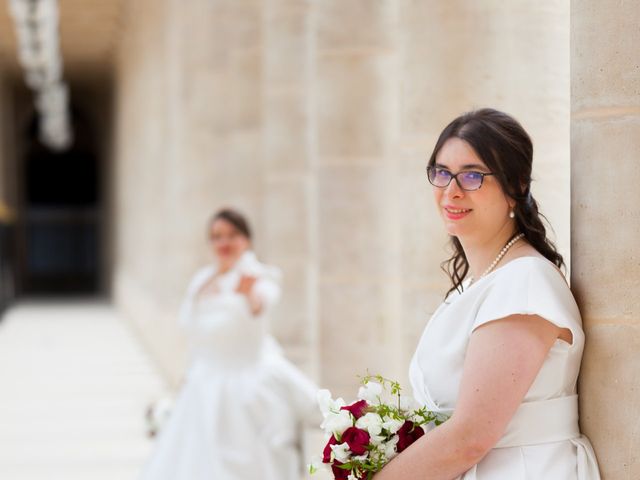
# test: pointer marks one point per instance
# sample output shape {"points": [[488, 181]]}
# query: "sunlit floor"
{"points": [[74, 384]]}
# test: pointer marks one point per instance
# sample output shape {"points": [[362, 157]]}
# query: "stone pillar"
{"points": [[289, 183], [605, 174], [355, 113], [140, 218], [188, 141]]}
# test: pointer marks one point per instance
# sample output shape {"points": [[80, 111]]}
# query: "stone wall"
{"points": [[605, 145], [316, 118]]}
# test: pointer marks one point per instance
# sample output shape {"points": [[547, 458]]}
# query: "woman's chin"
{"points": [[226, 261], [454, 229]]}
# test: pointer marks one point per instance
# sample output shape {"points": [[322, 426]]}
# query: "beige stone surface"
{"points": [[290, 321], [605, 127], [609, 383], [356, 24], [354, 222], [146, 187], [601, 203], [286, 131], [604, 59], [423, 240], [288, 179], [352, 317], [355, 105], [286, 207], [286, 33]]}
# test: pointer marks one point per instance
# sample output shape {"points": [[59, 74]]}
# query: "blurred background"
{"points": [[316, 118]]}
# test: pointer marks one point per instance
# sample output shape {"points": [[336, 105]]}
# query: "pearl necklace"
{"points": [[502, 253]]}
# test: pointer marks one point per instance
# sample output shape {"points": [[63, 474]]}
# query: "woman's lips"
{"points": [[454, 213]]}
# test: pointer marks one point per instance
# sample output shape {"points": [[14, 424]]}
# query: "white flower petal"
{"points": [[341, 452], [371, 422], [376, 439], [390, 449], [392, 425], [371, 392], [337, 423], [324, 401]]}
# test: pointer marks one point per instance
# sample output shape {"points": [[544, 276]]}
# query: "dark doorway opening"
{"points": [[60, 214]]}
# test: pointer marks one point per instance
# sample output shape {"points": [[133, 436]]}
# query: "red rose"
{"points": [[339, 473], [357, 409], [357, 439], [408, 434], [326, 454]]}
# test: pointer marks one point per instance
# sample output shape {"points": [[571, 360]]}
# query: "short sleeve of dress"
{"points": [[530, 286]]}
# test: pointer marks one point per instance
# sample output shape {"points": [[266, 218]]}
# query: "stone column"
{"points": [[289, 183], [355, 115], [188, 136], [605, 175]]}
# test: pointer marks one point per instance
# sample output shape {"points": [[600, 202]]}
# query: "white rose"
{"points": [[371, 422], [376, 439], [341, 452], [390, 449], [327, 404], [337, 423], [392, 425], [370, 392], [360, 458]]}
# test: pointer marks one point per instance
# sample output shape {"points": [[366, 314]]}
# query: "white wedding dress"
{"points": [[542, 441], [240, 412]]}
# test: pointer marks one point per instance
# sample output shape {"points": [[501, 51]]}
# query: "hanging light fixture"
{"points": [[37, 26]]}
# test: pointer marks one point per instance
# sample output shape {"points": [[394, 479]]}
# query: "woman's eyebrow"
{"points": [[476, 166]]}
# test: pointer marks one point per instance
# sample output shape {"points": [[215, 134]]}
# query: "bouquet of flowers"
{"points": [[365, 435], [157, 414]]}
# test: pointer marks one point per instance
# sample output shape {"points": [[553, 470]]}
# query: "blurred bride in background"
{"points": [[240, 412]]}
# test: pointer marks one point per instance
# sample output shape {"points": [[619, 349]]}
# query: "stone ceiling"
{"points": [[88, 36]]}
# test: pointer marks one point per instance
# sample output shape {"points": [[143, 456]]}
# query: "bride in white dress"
{"points": [[240, 412], [502, 353]]}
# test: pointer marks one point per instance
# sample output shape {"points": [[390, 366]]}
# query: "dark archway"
{"points": [[60, 214]]}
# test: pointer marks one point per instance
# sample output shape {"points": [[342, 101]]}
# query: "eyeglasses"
{"points": [[467, 180]]}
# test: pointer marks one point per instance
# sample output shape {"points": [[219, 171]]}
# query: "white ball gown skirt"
{"points": [[241, 410]]}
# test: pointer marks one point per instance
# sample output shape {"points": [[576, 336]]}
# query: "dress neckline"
{"points": [[467, 287]]}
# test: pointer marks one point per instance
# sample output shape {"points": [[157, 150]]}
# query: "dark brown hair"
{"points": [[235, 218], [506, 148]]}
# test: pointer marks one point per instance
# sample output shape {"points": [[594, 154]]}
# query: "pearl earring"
{"points": [[512, 214]]}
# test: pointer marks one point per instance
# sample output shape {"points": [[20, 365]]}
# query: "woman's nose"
{"points": [[453, 190]]}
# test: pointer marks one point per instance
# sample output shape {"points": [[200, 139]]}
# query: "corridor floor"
{"points": [[74, 384]]}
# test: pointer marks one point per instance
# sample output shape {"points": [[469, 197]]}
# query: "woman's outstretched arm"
{"points": [[503, 359]]}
